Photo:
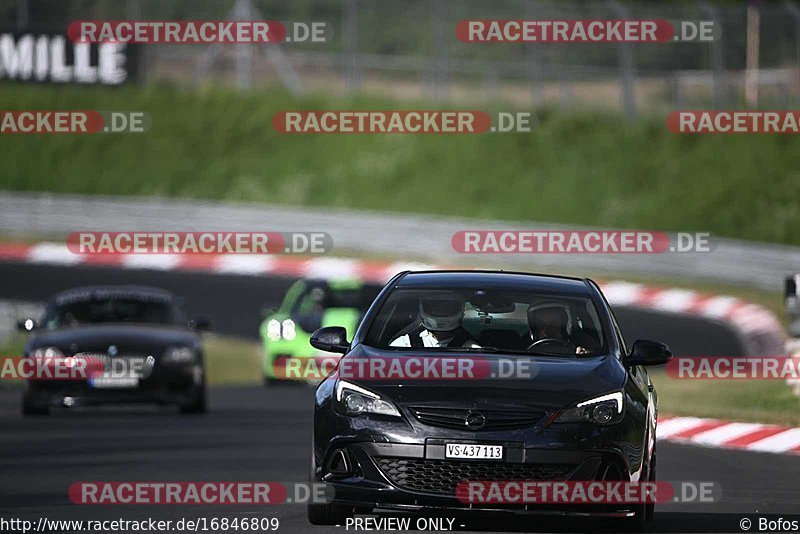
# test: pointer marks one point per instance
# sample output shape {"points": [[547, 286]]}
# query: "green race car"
{"points": [[307, 306]]}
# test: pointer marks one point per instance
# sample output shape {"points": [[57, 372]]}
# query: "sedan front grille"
{"points": [[494, 419], [443, 476], [140, 364]]}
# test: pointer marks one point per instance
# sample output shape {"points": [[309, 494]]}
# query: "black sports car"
{"points": [[127, 344], [583, 410]]}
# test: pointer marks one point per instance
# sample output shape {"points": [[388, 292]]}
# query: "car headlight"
{"points": [[178, 356], [288, 330], [603, 410], [47, 352], [355, 400], [277, 330]]}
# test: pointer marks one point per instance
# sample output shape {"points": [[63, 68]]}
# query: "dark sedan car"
{"points": [[552, 394], [125, 344]]}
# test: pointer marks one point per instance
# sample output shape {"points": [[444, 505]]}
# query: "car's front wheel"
{"points": [[645, 511], [30, 407], [196, 402], [650, 507], [328, 514]]}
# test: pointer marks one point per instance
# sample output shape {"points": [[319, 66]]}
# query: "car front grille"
{"points": [[443, 476], [142, 363], [494, 419]]}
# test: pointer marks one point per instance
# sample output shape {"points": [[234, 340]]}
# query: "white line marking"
{"points": [[53, 253], [723, 434], [678, 424], [782, 442], [244, 264], [161, 262]]}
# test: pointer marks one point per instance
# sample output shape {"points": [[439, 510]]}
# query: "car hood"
{"points": [[551, 383], [151, 339]]}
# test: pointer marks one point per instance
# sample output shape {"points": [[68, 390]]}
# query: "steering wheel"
{"points": [[549, 341]]}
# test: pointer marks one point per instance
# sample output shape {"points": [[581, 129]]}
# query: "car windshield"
{"points": [[310, 307], [492, 321], [317, 299], [111, 307]]}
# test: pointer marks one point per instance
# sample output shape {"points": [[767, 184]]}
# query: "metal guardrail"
{"points": [[379, 234]]}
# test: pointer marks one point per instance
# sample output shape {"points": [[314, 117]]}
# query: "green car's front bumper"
{"points": [[293, 358]]}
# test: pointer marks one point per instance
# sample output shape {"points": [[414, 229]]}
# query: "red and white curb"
{"points": [[729, 435], [758, 328], [756, 325]]}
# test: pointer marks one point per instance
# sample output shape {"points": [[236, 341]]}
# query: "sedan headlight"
{"points": [[603, 410], [178, 356], [277, 330], [47, 352], [355, 400]]}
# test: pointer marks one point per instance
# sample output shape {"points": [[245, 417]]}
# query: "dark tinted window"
{"points": [[496, 320], [108, 307]]}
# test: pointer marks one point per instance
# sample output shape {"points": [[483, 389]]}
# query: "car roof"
{"points": [[341, 283], [495, 280], [131, 290]]}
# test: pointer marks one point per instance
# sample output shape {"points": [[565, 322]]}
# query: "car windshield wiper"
{"points": [[444, 349], [495, 350], [470, 349]]}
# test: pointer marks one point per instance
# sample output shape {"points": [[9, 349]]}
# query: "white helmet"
{"points": [[561, 307], [441, 314]]}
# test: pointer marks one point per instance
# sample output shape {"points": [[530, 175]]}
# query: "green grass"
{"points": [[586, 169], [760, 401], [232, 361]]}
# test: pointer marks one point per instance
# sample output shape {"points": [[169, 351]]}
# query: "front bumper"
{"points": [[397, 476], [400, 463], [165, 386]]}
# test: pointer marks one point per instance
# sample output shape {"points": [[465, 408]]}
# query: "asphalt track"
{"points": [[263, 434]]}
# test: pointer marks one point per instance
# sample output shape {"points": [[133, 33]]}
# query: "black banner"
{"points": [[50, 57]]}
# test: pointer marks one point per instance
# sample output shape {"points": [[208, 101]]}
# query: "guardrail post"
{"points": [[350, 44], [244, 52], [533, 63], [441, 42], [627, 74], [794, 11], [23, 15], [717, 58]]}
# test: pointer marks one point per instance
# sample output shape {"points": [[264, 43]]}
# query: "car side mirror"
{"points": [[200, 322], [646, 352], [330, 339], [26, 325]]}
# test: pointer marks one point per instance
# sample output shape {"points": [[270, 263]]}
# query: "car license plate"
{"points": [[482, 452], [112, 382]]}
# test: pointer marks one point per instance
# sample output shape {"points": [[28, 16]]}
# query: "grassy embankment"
{"points": [[589, 169]]}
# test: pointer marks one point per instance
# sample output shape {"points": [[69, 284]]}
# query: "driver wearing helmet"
{"points": [[439, 325], [551, 323]]}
